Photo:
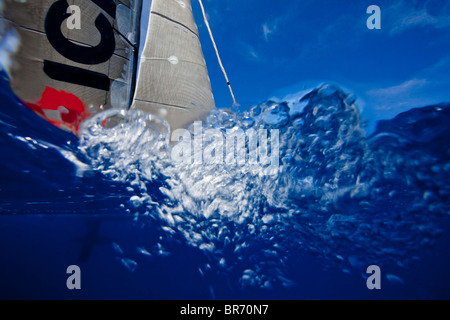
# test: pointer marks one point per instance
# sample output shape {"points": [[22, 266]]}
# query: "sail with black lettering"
{"points": [[75, 57], [79, 57]]}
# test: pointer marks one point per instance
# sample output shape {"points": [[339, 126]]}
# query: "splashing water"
{"points": [[351, 200], [348, 199]]}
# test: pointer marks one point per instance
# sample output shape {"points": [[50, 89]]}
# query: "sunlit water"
{"points": [[348, 199]]}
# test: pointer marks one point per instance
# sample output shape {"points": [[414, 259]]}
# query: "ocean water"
{"points": [[140, 225]]}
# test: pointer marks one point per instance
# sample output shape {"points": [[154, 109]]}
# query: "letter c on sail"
{"points": [[56, 15]]}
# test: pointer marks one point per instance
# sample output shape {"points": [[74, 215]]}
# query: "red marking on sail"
{"points": [[60, 108]]}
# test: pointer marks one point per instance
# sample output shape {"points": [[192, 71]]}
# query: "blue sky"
{"points": [[277, 49]]}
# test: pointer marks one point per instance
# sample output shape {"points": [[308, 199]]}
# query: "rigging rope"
{"points": [[217, 51]]}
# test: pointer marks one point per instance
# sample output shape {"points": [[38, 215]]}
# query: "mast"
{"points": [[173, 79]]}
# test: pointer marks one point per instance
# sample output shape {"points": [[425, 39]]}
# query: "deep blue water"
{"points": [[142, 227]]}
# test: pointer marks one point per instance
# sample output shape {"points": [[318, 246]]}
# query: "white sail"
{"points": [[66, 70], [173, 79], [92, 61]]}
